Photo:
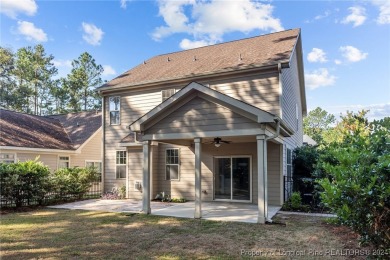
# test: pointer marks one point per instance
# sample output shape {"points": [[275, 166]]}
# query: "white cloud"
{"points": [[62, 63], [337, 62], [384, 11], [11, 8], [124, 3], [317, 55], [376, 111], [208, 21], [188, 44], [322, 16], [356, 17], [319, 78], [108, 70], [30, 32], [353, 54], [92, 34]]}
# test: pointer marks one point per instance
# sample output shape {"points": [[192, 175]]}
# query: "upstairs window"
{"points": [[115, 110], [172, 164], [7, 158], [63, 162], [167, 93], [121, 158]]}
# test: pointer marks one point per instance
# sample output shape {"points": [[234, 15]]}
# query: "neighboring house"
{"points": [[60, 141], [307, 140], [211, 123]]}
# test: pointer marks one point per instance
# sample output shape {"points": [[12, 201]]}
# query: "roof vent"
{"points": [[194, 58], [240, 57], [77, 124], [144, 62], [168, 59]]}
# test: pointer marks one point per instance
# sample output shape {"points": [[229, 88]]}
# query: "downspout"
{"points": [[103, 149], [277, 120]]}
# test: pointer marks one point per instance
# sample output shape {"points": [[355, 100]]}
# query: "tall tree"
{"points": [[82, 82], [7, 82], [34, 71], [317, 122]]}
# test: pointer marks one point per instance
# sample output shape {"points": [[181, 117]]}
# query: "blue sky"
{"points": [[346, 44]]}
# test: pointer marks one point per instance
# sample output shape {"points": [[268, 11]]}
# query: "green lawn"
{"points": [[76, 234]]}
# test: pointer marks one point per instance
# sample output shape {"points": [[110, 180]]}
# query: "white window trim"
{"points": [[93, 161], [109, 110], [5, 152], [162, 95], [96, 161], [165, 164], [250, 177], [58, 161], [116, 174]]}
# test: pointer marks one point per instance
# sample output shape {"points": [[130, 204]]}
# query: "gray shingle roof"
{"points": [[65, 132], [264, 50]]}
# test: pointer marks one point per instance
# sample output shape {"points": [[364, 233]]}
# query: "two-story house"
{"points": [[216, 123]]}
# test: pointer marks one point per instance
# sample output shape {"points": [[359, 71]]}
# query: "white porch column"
{"points": [[262, 185], [146, 178], [198, 178]]}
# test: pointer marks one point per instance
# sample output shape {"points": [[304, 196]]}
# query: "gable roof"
{"points": [[64, 132], [261, 51], [80, 126], [194, 90]]}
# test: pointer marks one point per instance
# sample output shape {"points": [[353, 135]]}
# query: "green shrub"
{"points": [[73, 181], [24, 181], [357, 186], [178, 200], [296, 200], [122, 191]]}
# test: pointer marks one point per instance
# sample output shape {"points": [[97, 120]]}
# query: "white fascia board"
{"points": [[29, 149]]}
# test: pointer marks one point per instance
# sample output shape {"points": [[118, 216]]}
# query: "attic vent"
{"points": [[240, 58], [168, 59], [194, 58], [144, 62]]}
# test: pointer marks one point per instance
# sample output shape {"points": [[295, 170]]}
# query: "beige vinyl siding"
{"points": [[185, 188], [261, 90], [134, 104], [290, 99], [134, 162], [91, 151], [51, 160], [274, 174], [200, 115]]}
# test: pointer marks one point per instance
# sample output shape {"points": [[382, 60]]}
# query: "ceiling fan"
{"points": [[218, 141]]}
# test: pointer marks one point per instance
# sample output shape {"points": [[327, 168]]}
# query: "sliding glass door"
{"points": [[232, 178]]}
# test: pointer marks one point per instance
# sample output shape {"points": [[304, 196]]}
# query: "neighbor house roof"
{"points": [[64, 132], [260, 51]]}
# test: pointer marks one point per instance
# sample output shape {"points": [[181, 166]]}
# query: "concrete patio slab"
{"points": [[219, 211], [128, 205]]}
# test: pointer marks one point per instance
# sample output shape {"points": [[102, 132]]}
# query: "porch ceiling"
{"points": [[209, 140]]}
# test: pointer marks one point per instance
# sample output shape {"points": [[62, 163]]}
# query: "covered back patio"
{"points": [[196, 116]]}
